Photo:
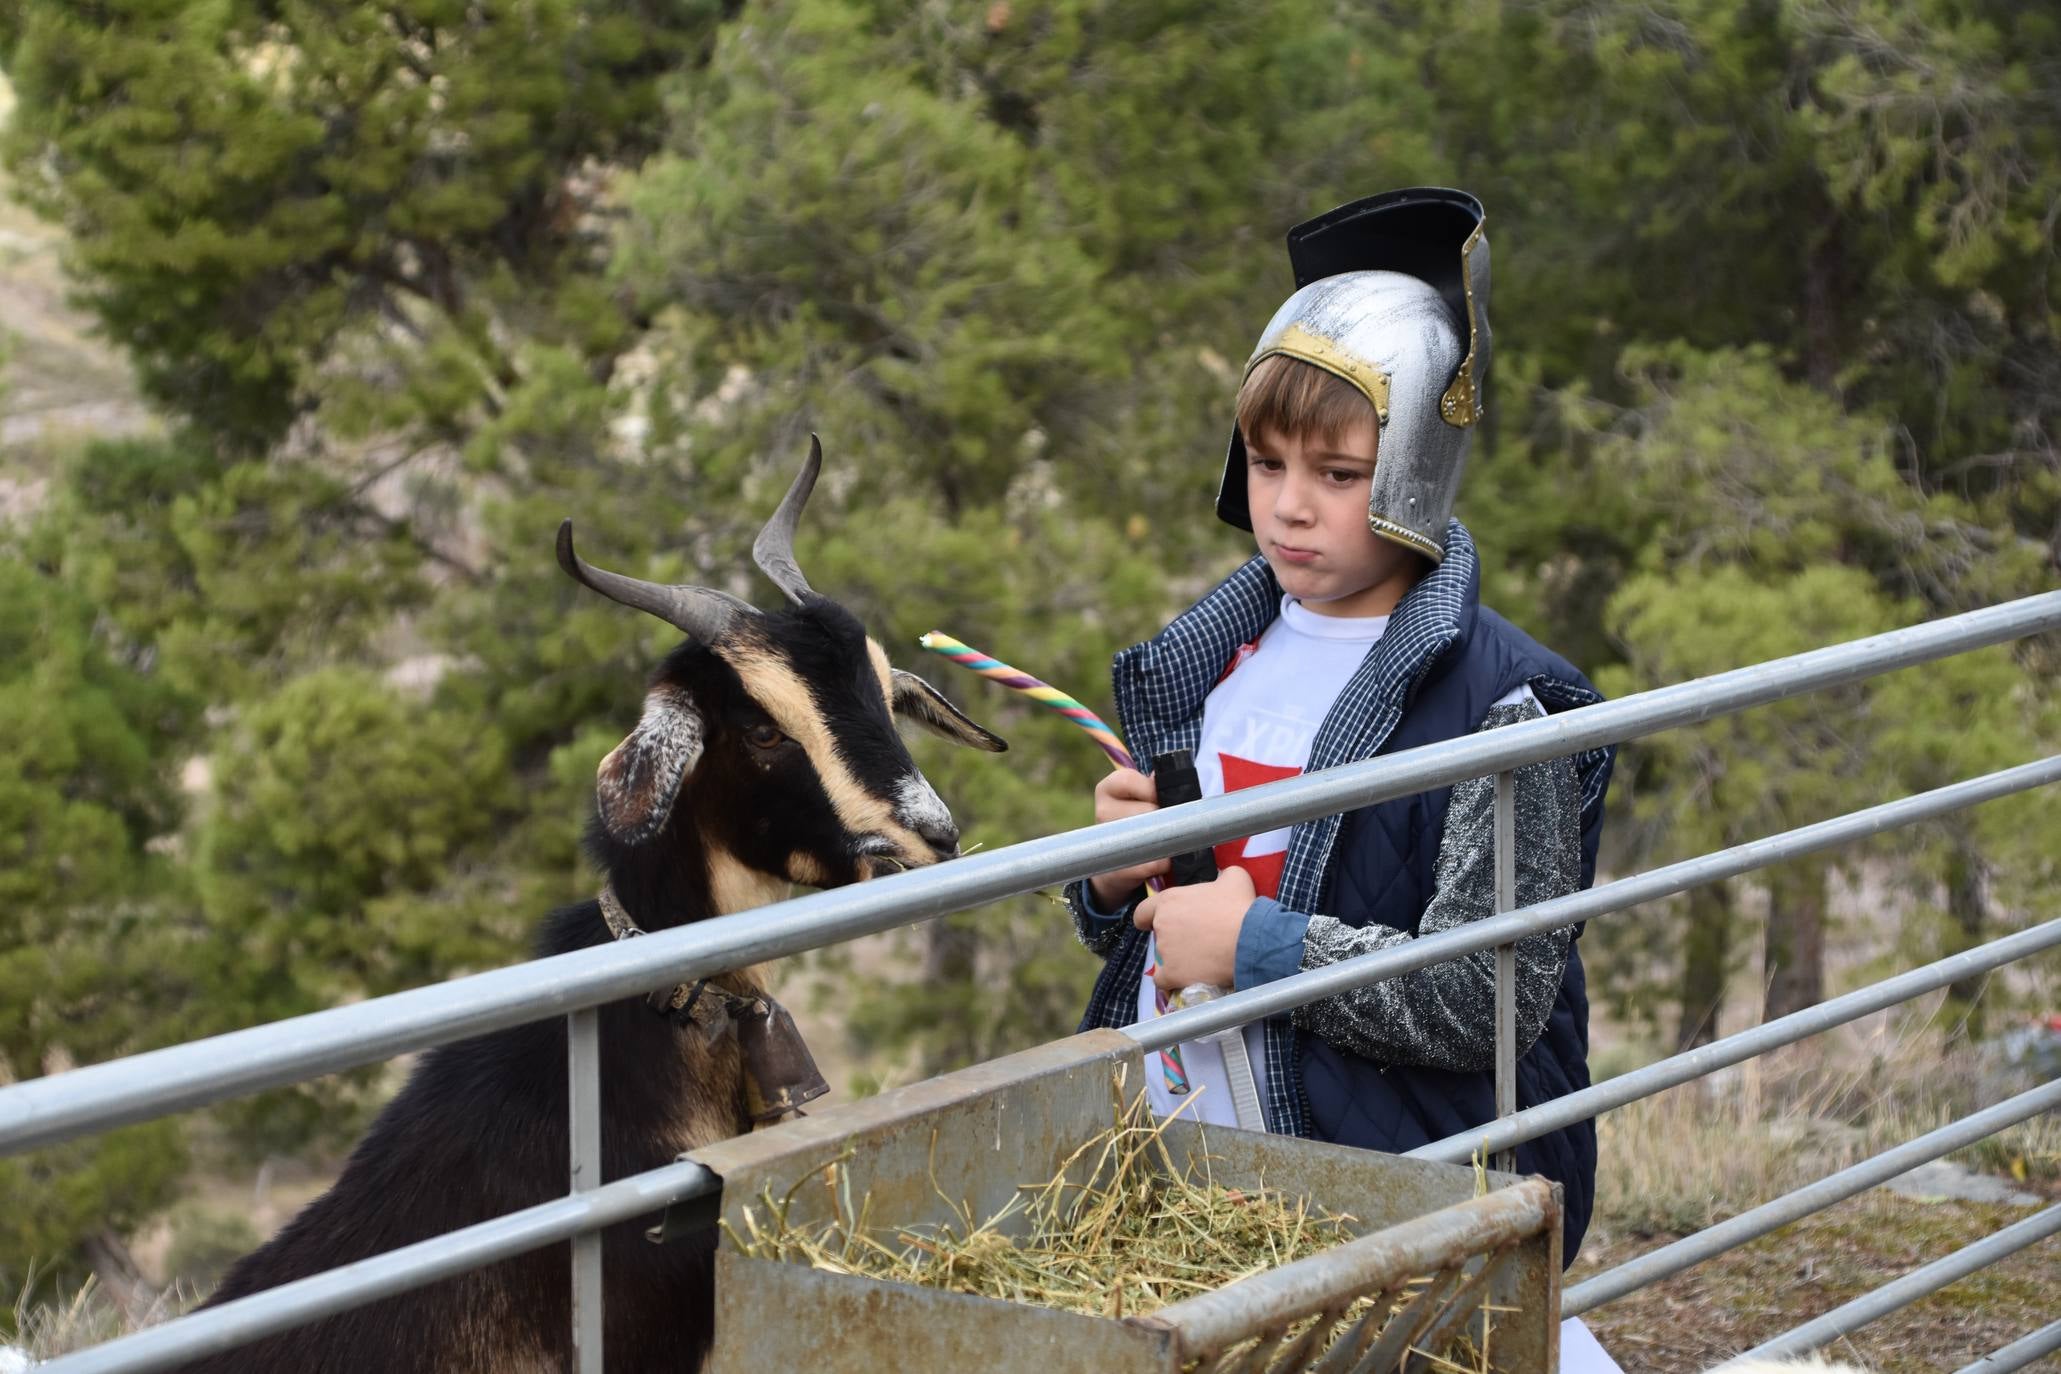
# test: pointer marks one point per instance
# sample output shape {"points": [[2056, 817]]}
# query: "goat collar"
{"points": [[681, 997], [779, 1072], [620, 923]]}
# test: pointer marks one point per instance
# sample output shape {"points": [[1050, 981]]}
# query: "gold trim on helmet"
{"points": [[1461, 405], [1299, 343], [1407, 537]]}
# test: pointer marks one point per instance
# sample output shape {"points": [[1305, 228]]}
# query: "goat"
{"points": [[766, 755]]}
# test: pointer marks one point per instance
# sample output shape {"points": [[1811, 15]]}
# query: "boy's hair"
{"points": [[1294, 399]]}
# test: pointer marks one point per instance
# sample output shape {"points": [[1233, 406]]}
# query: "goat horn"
{"points": [[773, 550], [701, 613]]}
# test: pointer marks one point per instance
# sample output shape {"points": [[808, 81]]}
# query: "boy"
{"points": [[1357, 630]]}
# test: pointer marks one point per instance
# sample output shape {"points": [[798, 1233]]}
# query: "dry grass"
{"points": [[1699, 1318], [1711, 1149], [1707, 1151], [85, 1317]]}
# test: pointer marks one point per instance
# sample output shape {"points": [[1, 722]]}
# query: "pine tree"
{"points": [[255, 191]]}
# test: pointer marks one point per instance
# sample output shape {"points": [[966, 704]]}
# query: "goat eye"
{"points": [[764, 737]]}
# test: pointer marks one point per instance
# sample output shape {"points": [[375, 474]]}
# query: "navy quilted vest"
{"points": [[1382, 870]]}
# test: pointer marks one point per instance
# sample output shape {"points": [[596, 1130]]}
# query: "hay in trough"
{"points": [[1118, 1231]]}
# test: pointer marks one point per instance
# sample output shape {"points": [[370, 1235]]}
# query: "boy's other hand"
{"points": [[1197, 929], [1126, 792]]}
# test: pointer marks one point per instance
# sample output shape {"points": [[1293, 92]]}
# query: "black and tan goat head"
{"points": [[768, 741]]}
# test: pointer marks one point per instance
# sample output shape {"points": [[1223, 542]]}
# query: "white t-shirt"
{"points": [[1258, 724]]}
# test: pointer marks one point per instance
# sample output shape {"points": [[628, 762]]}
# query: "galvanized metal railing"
{"points": [[48, 1110]]}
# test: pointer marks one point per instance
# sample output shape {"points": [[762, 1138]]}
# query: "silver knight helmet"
{"points": [[1392, 296]]}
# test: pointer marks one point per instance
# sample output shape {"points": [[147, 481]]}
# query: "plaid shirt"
{"points": [[1160, 687]]}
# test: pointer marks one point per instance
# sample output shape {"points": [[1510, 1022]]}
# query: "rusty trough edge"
{"points": [[1202, 1324]]}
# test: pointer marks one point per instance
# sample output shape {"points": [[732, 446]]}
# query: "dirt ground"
{"points": [[1725, 1305]]}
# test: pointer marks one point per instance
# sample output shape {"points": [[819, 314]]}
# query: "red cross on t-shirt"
{"points": [[1264, 868]]}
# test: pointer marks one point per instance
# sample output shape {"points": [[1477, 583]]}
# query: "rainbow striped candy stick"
{"points": [[1044, 693], [966, 656]]}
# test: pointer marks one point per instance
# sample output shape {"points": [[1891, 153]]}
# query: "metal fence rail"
{"points": [[1731, 1234], [320, 1295], [2018, 1353], [45, 1111], [380, 1276], [1912, 1286], [1288, 993], [1706, 1059]]}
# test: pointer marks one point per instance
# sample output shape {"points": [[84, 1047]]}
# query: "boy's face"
{"points": [[1308, 498]]}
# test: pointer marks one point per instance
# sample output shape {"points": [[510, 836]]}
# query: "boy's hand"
{"points": [[1197, 929], [1126, 792]]}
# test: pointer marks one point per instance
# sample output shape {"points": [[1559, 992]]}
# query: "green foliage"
{"points": [[82, 790], [880, 247], [1865, 189], [87, 915], [1933, 130], [106, 1186], [246, 181], [231, 574], [1776, 524], [335, 817]]}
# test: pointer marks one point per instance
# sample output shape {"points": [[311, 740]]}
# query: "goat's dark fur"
{"points": [[480, 1129]]}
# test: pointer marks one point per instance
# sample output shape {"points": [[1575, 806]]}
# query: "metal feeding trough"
{"points": [[982, 1132]]}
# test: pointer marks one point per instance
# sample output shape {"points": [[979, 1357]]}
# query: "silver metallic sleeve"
{"points": [[1443, 1017], [1096, 931]]}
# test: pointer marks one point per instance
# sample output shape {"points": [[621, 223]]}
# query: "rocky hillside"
{"points": [[56, 379]]}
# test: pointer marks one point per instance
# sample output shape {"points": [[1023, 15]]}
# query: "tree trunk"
{"points": [[120, 1277], [1794, 964], [1824, 276], [950, 960], [1968, 905], [1706, 952]]}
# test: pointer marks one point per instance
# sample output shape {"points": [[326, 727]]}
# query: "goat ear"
{"points": [[639, 781], [925, 705]]}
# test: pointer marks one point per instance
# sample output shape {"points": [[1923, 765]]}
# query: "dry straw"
{"points": [[1120, 1230]]}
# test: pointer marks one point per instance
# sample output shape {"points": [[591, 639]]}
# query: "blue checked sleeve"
{"points": [[1096, 929]]}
